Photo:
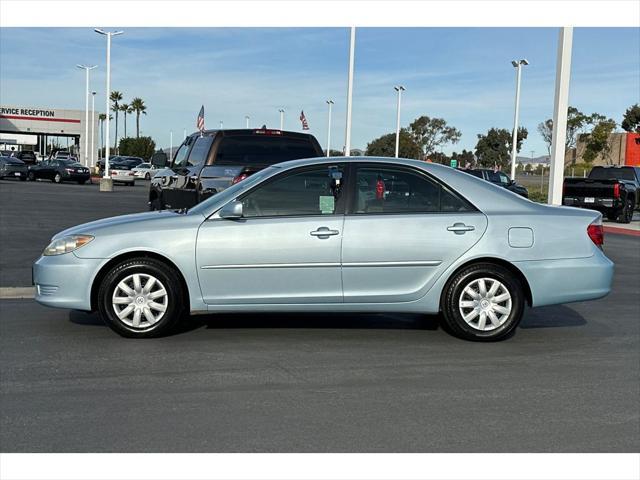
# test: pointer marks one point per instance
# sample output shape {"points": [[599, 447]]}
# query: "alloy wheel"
{"points": [[140, 300], [485, 304]]}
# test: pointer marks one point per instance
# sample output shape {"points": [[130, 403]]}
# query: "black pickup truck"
{"points": [[614, 191], [208, 162]]}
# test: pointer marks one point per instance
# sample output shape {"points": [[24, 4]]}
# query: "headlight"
{"points": [[66, 244]]}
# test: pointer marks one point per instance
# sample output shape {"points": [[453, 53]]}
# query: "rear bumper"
{"points": [[64, 281], [568, 280], [597, 204]]}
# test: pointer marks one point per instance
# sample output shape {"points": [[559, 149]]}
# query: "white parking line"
{"points": [[12, 293]]}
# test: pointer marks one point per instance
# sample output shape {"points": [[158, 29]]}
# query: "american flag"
{"points": [[303, 119], [200, 120]]}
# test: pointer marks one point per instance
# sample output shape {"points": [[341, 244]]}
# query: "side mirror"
{"points": [[232, 210]]}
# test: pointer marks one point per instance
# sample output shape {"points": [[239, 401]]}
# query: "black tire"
{"points": [[81, 182], [147, 176], [625, 214], [169, 279], [57, 178], [31, 176], [612, 215], [454, 321], [23, 179], [155, 204]]}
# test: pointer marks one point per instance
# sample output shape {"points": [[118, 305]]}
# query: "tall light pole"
{"points": [[514, 148], [330, 103], [281, 110], [246, 119], [560, 108], [106, 183], [221, 124], [399, 89], [86, 68], [171, 143], [347, 135], [93, 126]]}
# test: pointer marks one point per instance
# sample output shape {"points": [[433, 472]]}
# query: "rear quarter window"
{"points": [[267, 150]]}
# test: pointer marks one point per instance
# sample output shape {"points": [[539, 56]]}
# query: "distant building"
{"points": [[625, 150]]}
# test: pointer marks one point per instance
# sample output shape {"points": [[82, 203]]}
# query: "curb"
{"points": [[14, 293], [621, 231]]}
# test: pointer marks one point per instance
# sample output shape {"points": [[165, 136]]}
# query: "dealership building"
{"points": [[37, 128]]}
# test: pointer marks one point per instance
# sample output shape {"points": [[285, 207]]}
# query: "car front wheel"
{"points": [[483, 302], [57, 178], [141, 298]]}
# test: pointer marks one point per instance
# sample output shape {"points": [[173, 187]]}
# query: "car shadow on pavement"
{"points": [[552, 317], [289, 320], [543, 317]]}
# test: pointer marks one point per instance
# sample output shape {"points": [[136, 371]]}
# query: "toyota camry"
{"points": [[357, 234]]}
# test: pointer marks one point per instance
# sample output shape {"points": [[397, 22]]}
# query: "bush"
{"points": [[537, 196], [142, 147]]}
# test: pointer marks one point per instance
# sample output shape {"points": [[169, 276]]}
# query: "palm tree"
{"points": [[138, 106], [124, 108], [115, 97]]}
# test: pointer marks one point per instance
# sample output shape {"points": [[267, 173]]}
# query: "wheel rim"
{"points": [[485, 304], [140, 300], [57, 178]]}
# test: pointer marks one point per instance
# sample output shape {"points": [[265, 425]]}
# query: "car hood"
{"points": [[131, 222]]}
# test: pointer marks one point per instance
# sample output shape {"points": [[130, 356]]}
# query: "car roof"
{"points": [[254, 131]]}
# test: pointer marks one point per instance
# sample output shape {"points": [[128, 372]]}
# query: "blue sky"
{"points": [[461, 74]]}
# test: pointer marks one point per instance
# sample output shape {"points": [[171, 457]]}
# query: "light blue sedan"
{"points": [[358, 234]]}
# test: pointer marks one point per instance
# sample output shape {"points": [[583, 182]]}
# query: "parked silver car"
{"points": [[333, 234]]}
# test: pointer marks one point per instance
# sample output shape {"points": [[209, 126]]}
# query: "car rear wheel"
{"points": [[625, 214], [147, 176], [57, 178], [31, 176], [23, 179], [141, 298], [483, 302]]}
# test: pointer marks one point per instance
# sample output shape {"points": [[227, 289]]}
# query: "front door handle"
{"points": [[460, 228], [323, 232]]}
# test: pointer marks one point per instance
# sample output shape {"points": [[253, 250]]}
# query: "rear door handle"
{"points": [[323, 232], [460, 228]]}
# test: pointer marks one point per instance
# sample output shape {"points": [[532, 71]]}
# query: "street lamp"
{"points": [[246, 119], [330, 103], [106, 184], [221, 124], [93, 126], [281, 110], [399, 89], [86, 68], [514, 148]]}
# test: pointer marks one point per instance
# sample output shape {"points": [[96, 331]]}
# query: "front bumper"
{"points": [[64, 281], [568, 280]]}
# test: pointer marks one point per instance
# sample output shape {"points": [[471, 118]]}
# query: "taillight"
{"points": [[239, 178], [113, 172], [616, 190], [596, 233]]}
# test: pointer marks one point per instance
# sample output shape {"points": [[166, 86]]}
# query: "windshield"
{"points": [[599, 173], [231, 192]]}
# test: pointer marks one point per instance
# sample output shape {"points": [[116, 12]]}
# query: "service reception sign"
{"points": [[37, 120]]}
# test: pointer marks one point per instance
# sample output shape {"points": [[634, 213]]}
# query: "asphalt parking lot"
{"points": [[568, 381]]}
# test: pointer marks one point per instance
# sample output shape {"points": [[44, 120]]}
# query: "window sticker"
{"points": [[327, 204]]}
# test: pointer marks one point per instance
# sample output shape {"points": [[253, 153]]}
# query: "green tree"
{"points": [[494, 147], [138, 106], [115, 98], [597, 142], [125, 109], [385, 146], [432, 133], [576, 124], [142, 147], [631, 119], [464, 158]]}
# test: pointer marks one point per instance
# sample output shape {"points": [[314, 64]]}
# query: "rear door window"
{"points": [[263, 150], [200, 151]]}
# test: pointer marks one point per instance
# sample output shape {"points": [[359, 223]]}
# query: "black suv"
{"points": [[208, 162], [26, 156], [499, 178]]}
